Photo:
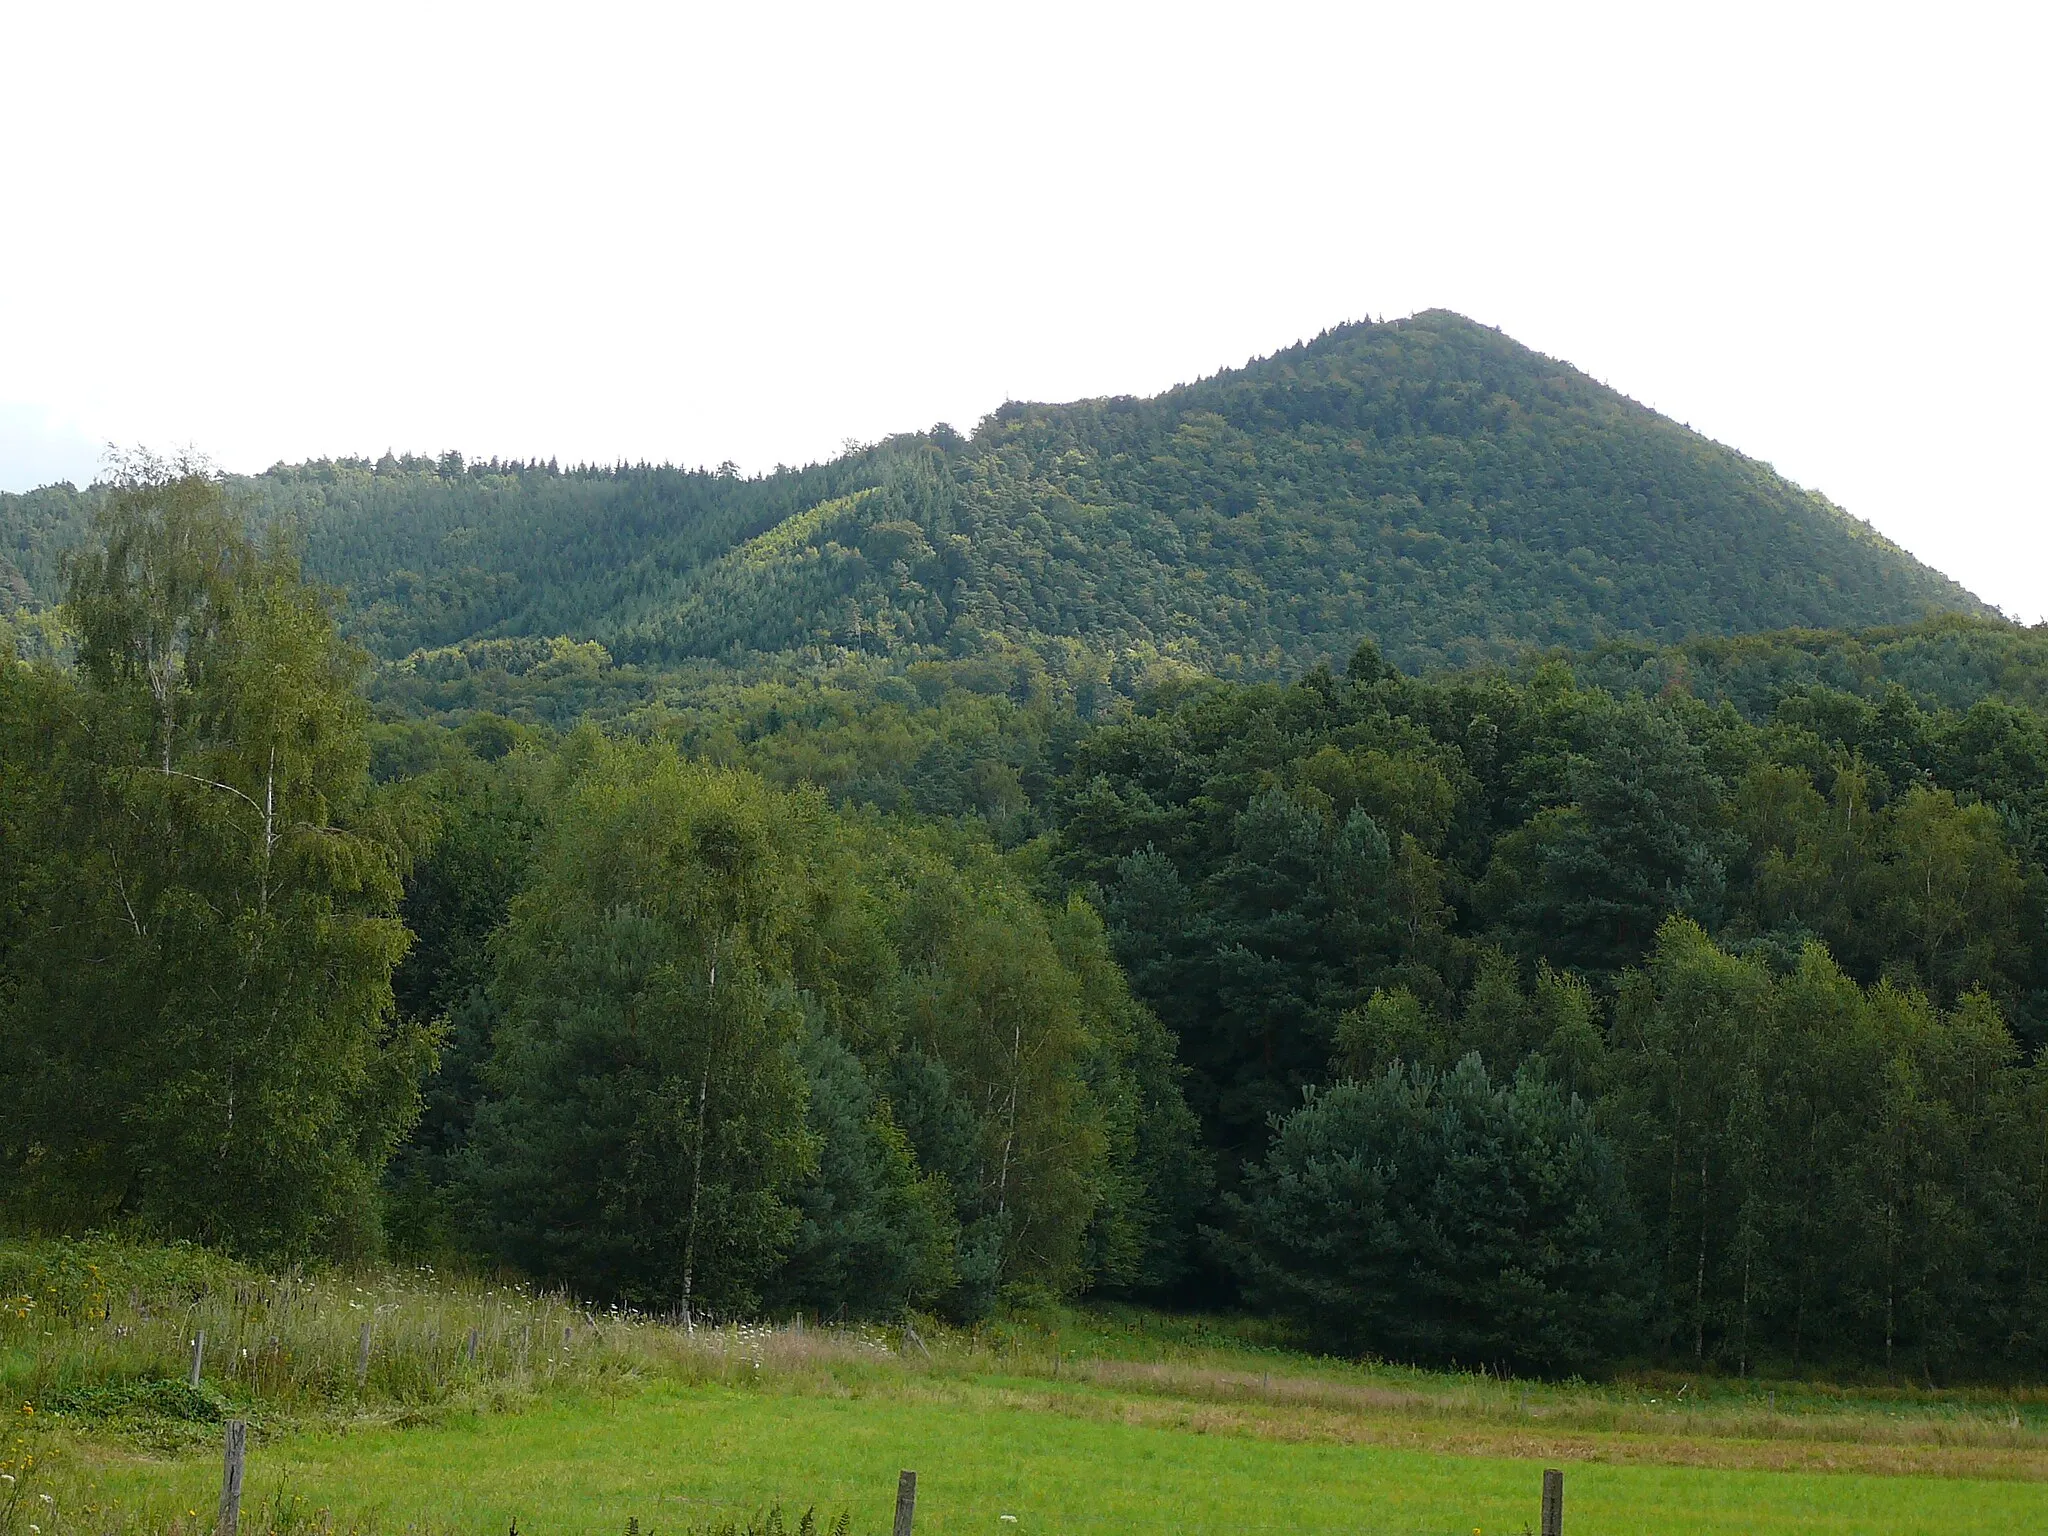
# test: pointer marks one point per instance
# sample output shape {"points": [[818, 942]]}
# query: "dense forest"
{"points": [[1427, 481], [1667, 999], [650, 1027]]}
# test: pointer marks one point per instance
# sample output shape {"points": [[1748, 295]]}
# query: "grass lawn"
{"points": [[1059, 1459]]}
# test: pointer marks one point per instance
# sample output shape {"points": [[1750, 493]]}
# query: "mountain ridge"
{"points": [[1427, 481]]}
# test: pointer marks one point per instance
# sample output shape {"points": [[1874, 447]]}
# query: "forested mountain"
{"points": [[1685, 1001], [1427, 481], [959, 872]]}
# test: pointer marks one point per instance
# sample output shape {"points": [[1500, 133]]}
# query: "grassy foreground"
{"points": [[1077, 1421], [676, 1457]]}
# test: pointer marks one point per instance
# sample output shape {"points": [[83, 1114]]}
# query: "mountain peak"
{"points": [[1429, 482]]}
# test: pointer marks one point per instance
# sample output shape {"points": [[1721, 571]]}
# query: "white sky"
{"points": [[751, 231]]}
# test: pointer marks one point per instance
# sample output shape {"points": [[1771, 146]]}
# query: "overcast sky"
{"points": [[751, 232]]}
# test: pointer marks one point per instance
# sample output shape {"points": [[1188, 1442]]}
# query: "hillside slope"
{"points": [[1426, 481]]}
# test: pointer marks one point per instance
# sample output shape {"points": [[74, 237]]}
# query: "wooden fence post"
{"points": [[472, 1346], [906, 1502], [363, 1356], [198, 1359], [1553, 1503], [231, 1476]]}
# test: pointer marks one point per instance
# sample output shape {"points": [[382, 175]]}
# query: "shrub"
{"points": [[1444, 1219]]}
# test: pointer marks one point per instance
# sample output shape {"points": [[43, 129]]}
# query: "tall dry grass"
{"points": [[82, 1325], [104, 1332]]}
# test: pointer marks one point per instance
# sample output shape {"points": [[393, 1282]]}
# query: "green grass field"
{"points": [[1074, 1420], [676, 1457]]}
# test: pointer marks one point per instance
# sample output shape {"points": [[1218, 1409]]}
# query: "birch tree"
{"points": [[204, 981]]}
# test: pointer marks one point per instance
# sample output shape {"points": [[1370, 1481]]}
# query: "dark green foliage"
{"points": [[478, 820], [1429, 480], [123, 1402], [875, 1234], [1813, 1172], [1641, 836], [1831, 1172], [945, 1134], [1256, 968], [434, 553], [1157, 1176], [1444, 1220], [1552, 821], [37, 531]]}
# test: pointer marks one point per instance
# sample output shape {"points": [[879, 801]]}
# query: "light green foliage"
{"points": [[804, 531], [154, 592], [1081, 1165], [1951, 661], [821, 1058], [1392, 1027], [202, 924], [647, 1125], [98, 1335]]}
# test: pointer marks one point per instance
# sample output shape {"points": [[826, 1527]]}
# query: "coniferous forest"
{"points": [[1396, 838]]}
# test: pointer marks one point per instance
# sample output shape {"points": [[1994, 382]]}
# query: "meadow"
{"points": [[562, 1419]]}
